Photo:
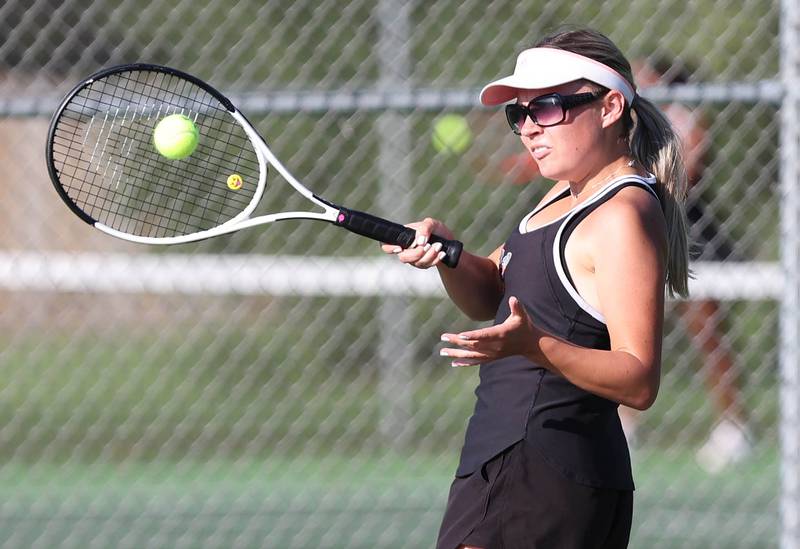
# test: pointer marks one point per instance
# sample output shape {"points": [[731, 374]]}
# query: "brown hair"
{"points": [[653, 143]]}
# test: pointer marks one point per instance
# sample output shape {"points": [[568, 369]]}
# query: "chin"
{"points": [[551, 173], [551, 170]]}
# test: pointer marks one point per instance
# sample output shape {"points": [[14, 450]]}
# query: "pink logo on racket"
{"points": [[341, 218]]}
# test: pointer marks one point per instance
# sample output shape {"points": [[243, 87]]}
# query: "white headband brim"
{"points": [[540, 68]]}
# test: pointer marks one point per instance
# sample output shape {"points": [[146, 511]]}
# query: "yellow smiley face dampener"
{"points": [[235, 182]]}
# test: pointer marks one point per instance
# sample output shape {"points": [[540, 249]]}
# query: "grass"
{"points": [[340, 501]]}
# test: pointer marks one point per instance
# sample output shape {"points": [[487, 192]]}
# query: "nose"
{"points": [[529, 127]]}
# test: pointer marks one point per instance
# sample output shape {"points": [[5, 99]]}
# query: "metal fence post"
{"points": [[395, 352], [790, 262]]}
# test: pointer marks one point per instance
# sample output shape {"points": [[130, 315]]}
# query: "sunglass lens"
{"points": [[548, 111], [515, 114]]}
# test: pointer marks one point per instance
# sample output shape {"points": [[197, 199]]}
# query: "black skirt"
{"points": [[518, 501]]}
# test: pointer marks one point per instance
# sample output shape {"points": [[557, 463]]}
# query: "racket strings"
{"points": [[194, 202], [108, 165]]}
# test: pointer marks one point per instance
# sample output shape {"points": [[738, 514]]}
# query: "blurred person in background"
{"points": [[730, 440], [577, 296]]}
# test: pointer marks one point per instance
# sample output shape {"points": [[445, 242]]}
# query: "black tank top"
{"points": [[577, 432]]}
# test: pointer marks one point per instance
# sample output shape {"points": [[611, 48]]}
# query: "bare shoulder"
{"points": [[632, 213], [630, 203]]}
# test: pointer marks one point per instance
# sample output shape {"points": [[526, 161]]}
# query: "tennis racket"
{"points": [[105, 166]]}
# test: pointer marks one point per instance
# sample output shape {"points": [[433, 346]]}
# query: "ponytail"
{"points": [[656, 146]]}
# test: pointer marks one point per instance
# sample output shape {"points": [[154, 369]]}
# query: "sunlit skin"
{"points": [[616, 255]]}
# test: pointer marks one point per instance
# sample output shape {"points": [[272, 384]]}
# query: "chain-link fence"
{"points": [[281, 387]]}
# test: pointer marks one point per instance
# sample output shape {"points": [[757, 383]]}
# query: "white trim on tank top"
{"points": [[562, 275]]}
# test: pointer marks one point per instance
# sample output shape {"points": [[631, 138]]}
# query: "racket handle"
{"points": [[389, 232]]}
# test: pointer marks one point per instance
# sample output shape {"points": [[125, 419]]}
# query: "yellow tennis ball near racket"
{"points": [[175, 136], [451, 134], [235, 182]]}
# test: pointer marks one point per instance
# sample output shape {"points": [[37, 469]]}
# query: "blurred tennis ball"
{"points": [[451, 134], [176, 136]]}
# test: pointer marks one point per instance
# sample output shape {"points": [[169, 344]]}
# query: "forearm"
{"points": [[474, 286], [617, 375]]}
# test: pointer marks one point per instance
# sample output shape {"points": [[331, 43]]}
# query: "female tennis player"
{"points": [[577, 297]]}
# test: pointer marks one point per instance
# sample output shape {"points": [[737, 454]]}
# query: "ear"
{"points": [[613, 107]]}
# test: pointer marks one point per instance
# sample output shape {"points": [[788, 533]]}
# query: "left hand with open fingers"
{"points": [[517, 335]]}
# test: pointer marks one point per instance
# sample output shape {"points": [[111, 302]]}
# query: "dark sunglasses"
{"points": [[547, 110]]}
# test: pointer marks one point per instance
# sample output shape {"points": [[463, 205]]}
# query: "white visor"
{"points": [[539, 68]]}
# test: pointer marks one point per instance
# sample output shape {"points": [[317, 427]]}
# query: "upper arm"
{"points": [[629, 262]]}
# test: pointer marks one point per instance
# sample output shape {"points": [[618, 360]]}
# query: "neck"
{"points": [[622, 165]]}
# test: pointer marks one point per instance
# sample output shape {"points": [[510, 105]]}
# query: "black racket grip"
{"points": [[389, 232]]}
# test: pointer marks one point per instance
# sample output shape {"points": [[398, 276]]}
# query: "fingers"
{"points": [[423, 229], [516, 307], [391, 248], [421, 254], [422, 257], [428, 227], [463, 357], [465, 362], [470, 353], [473, 337]]}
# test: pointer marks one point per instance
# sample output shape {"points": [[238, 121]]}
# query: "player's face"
{"points": [[564, 151]]}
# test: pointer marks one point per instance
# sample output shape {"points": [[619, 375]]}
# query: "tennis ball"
{"points": [[451, 134], [175, 136]]}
